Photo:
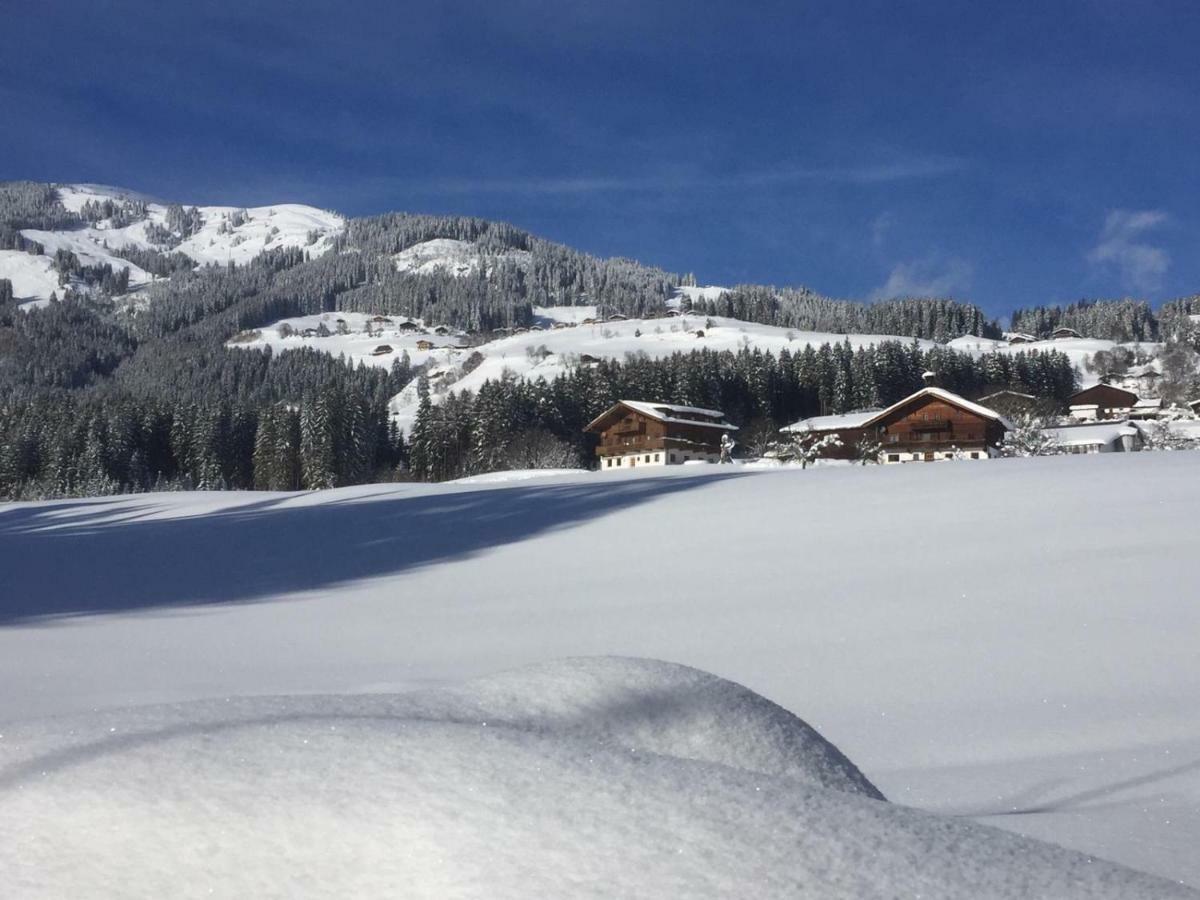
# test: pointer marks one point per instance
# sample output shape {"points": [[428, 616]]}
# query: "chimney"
{"points": [[930, 378]]}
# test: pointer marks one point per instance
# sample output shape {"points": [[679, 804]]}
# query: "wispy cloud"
{"points": [[881, 225], [926, 278], [1122, 247], [866, 174]]}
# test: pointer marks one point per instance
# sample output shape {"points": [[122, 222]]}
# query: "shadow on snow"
{"points": [[119, 557]]}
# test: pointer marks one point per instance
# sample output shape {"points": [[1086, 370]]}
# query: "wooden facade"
{"points": [[1110, 402], [635, 433], [932, 424]]}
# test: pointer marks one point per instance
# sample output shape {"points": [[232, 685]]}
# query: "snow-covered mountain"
{"points": [[222, 234]]}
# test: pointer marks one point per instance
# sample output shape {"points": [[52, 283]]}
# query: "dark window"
{"points": [[893, 457]]}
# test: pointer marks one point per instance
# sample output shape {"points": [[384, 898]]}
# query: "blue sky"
{"points": [[1010, 153]]}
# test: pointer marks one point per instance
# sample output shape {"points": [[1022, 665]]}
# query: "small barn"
{"points": [[424, 344], [1020, 337], [932, 424], [382, 350], [1110, 402], [409, 325], [1194, 406], [637, 433], [1061, 334]]}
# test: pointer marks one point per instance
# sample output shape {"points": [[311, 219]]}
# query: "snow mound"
{"points": [[589, 778], [659, 707]]}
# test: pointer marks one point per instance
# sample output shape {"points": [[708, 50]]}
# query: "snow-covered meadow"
{"points": [[1010, 643]]}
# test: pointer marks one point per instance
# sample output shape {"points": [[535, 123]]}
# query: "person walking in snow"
{"points": [[727, 446]]}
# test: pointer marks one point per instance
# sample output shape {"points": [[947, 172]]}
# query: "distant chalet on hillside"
{"points": [[636, 433], [932, 424], [1102, 401]]}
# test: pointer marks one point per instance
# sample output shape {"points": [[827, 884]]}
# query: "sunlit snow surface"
{"points": [[589, 777], [1010, 642]]}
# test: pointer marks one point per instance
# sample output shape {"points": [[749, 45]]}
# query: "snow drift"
{"points": [[607, 777]]}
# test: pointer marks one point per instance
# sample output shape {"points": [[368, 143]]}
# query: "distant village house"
{"points": [[636, 433], [1101, 401]]}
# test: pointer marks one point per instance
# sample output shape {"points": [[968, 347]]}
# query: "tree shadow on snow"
{"points": [[101, 557]]}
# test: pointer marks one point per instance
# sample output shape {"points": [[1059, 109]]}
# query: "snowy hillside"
{"points": [[542, 352], [454, 257], [1010, 653], [1076, 349], [225, 234]]}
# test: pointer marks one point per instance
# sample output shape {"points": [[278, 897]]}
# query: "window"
{"points": [[974, 456], [893, 438], [647, 457], [618, 462], [609, 463], [672, 457], [657, 457], [893, 457]]}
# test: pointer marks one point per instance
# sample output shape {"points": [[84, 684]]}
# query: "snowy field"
{"points": [[1009, 643]]}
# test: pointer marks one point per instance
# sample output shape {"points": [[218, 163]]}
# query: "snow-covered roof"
{"points": [[1149, 403], [833, 423], [1007, 393], [947, 396], [673, 414], [658, 410], [1092, 433]]}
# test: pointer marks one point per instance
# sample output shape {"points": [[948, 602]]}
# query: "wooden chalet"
{"points": [[1020, 337], [636, 433], [1101, 401], [1061, 334], [932, 424], [382, 350], [424, 344], [409, 326]]}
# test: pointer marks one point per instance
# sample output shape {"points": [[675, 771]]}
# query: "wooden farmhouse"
{"points": [[1102, 401], [636, 433], [932, 424], [1063, 333]]}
